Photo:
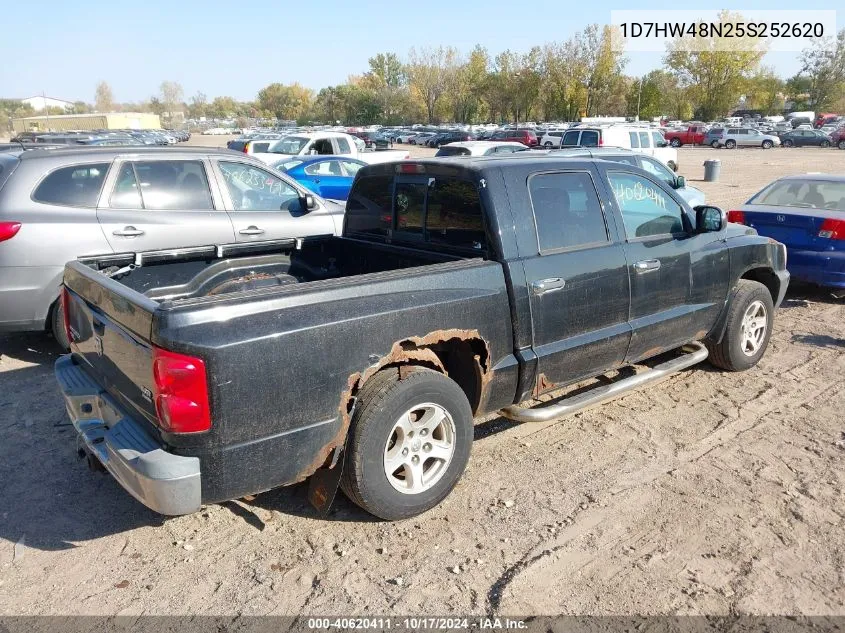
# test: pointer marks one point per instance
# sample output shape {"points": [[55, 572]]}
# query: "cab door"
{"points": [[678, 277], [157, 203], [577, 279]]}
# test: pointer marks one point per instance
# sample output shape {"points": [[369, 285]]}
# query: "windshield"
{"points": [[290, 145], [808, 194]]}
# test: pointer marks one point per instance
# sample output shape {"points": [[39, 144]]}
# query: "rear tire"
{"points": [[747, 330], [547, 144], [57, 325], [788, 143], [671, 164], [825, 143], [383, 429], [841, 144], [715, 144]]}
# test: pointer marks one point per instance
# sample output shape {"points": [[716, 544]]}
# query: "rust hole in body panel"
{"points": [[434, 350]]}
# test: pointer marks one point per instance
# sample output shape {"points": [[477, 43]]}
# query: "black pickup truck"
{"points": [[460, 287]]}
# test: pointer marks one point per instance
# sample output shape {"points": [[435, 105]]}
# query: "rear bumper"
{"points": [[825, 268], [166, 483]]}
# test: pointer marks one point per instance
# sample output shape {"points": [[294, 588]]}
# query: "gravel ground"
{"points": [[713, 493]]}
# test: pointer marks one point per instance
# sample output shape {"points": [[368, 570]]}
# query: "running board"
{"points": [[697, 353]]}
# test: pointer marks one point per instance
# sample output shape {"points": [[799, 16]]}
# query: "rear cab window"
{"points": [[74, 186], [417, 209]]}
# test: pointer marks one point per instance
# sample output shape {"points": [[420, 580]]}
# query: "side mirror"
{"points": [[308, 202], [709, 219], [680, 182]]}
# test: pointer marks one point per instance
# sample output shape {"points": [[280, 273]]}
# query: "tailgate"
{"points": [[795, 227], [111, 327]]}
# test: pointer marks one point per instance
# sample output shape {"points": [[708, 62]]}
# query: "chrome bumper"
{"points": [[166, 483]]}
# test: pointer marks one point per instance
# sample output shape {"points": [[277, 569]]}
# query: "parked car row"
{"points": [[104, 137]]}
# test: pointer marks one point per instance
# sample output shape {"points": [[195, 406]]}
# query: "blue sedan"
{"points": [[327, 176], [807, 213]]}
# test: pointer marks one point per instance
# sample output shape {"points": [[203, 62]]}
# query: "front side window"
{"points": [[659, 140], [567, 211], [253, 189], [343, 146], [657, 169], [647, 209], [74, 186]]}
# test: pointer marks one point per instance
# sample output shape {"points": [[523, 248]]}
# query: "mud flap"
{"points": [[323, 484]]}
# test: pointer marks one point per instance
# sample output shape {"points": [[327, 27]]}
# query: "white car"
{"points": [[552, 139], [480, 148], [326, 143], [639, 139]]}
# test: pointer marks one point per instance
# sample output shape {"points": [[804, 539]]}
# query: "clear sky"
{"points": [[235, 48]]}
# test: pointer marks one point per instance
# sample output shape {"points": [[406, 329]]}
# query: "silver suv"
{"points": [[60, 204], [733, 137]]}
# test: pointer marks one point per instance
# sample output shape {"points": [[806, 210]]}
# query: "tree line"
{"points": [[581, 76]]}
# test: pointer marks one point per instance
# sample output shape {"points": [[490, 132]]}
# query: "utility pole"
{"points": [[639, 94]]}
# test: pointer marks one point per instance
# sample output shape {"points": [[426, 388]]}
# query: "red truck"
{"points": [[693, 135]]}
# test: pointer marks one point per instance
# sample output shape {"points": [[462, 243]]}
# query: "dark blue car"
{"points": [[327, 176], [807, 213]]}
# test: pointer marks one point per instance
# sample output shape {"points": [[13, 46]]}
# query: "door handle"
{"points": [[317, 181], [128, 231], [544, 286], [251, 230], [647, 265]]}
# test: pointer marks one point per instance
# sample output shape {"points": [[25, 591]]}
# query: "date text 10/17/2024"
{"points": [[417, 624]]}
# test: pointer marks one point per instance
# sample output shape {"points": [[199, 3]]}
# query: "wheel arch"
{"points": [[761, 274]]}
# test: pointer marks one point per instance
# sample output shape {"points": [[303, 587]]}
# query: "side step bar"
{"points": [[695, 354]]}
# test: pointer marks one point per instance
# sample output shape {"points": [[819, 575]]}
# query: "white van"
{"points": [[638, 139]]}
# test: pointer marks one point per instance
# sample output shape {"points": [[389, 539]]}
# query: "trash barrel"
{"points": [[712, 169]]}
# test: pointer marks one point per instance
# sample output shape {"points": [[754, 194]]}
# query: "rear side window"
{"points": [[454, 214], [635, 139], [453, 151], [343, 146], [567, 212], [166, 185], [74, 186], [370, 206], [644, 142]]}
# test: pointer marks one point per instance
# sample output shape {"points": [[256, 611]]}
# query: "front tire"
{"points": [[408, 444], [675, 142], [841, 144], [730, 144], [747, 330], [788, 143], [767, 144], [547, 144], [825, 143], [671, 164]]}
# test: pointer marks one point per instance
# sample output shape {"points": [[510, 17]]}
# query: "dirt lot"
{"points": [[712, 493]]}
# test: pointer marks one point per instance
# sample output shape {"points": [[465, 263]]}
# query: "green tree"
{"points": [[823, 64], [714, 69], [765, 91], [428, 74], [198, 106], [285, 102]]}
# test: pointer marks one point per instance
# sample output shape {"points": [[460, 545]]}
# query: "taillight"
{"points": [[8, 230], [736, 216], [601, 140], [246, 148], [65, 304], [833, 229], [180, 392]]}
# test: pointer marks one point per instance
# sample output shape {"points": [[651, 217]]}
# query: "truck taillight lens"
{"points": [[180, 392], [832, 229], [8, 230], [64, 300], [736, 216]]}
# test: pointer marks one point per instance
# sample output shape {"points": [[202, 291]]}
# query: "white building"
{"points": [[41, 102]]}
